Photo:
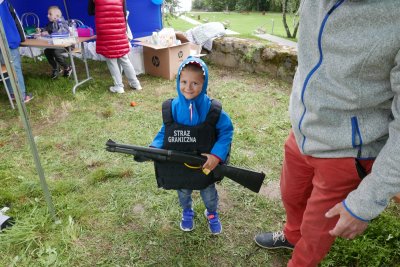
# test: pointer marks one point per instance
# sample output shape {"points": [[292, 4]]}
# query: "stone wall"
{"points": [[254, 56]]}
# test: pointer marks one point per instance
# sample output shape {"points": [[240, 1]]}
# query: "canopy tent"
{"points": [[144, 16], [5, 52]]}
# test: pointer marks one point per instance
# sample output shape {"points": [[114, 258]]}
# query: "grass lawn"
{"points": [[111, 211], [243, 23]]}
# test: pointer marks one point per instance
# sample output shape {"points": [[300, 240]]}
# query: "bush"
{"points": [[198, 4], [375, 248]]}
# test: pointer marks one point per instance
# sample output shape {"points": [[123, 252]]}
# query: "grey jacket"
{"points": [[345, 97]]}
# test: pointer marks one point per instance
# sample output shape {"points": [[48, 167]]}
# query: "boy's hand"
{"points": [[211, 163]]}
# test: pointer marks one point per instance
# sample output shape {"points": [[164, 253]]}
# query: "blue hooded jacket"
{"points": [[194, 112], [10, 28]]}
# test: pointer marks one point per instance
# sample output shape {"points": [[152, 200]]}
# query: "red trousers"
{"points": [[310, 187]]}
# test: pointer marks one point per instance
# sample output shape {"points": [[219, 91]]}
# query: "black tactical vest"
{"points": [[190, 139]]}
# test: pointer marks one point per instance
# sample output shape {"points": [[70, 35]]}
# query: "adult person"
{"points": [[112, 41], [345, 116], [15, 35]]}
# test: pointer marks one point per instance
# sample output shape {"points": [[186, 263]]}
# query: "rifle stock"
{"points": [[247, 178]]}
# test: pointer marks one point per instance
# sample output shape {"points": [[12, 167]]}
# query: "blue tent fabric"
{"points": [[144, 16]]}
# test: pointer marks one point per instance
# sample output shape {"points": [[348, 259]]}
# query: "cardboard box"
{"points": [[163, 61]]}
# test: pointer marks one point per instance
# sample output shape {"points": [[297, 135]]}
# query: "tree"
{"points": [[169, 10], [198, 4], [216, 5], [251, 5], [291, 7]]}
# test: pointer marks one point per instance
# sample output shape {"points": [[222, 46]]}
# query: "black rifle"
{"points": [[248, 178]]}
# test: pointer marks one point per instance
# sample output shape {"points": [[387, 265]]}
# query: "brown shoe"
{"points": [[67, 72], [28, 97]]}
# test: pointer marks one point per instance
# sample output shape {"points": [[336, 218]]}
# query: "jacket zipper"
{"points": [[314, 69], [191, 111], [356, 139]]}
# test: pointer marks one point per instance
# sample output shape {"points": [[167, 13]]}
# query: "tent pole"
{"points": [[66, 9], [23, 113]]}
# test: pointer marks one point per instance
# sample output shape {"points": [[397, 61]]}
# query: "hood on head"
{"points": [[197, 61], [193, 111]]}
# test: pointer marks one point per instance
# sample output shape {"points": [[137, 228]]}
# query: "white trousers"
{"points": [[116, 65]]}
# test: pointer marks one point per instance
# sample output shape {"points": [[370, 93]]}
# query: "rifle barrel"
{"points": [[248, 178]]}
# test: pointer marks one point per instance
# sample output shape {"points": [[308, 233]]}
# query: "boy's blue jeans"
{"points": [[208, 194], [16, 58]]}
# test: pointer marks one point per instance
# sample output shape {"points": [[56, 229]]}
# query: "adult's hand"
{"points": [[347, 226], [396, 198]]}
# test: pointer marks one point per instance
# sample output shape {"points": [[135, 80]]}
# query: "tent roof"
{"points": [[144, 16]]}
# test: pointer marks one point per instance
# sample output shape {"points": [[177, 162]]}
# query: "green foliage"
{"points": [[243, 23], [216, 5], [198, 4], [244, 5], [169, 12], [377, 247], [251, 5], [102, 175], [6, 197]]}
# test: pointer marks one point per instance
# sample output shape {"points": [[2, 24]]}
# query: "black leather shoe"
{"points": [[67, 72], [272, 240]]}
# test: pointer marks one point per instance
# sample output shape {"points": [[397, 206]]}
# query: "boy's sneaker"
{"points": [[272, 240], [187, 223], [213, 222], [136, 86], [54, 74], [67, 72], [117, 89]]}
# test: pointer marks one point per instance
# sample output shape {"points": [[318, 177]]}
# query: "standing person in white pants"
{"points": [[115, 65], [112, 41]]}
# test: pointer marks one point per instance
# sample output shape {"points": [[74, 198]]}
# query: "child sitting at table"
{"points": [[54, 55]]}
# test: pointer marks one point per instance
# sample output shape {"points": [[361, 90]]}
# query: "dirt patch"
{"points": [[138, 209], [54, 114], [224, 203], [271, 190]]}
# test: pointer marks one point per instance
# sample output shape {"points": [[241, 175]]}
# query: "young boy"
{"points": [[194, 123], [55, 56]]}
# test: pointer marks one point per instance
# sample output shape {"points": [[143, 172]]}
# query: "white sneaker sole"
{"points": [[276, 247], [136, 87], [186, 229], [117, 91]]}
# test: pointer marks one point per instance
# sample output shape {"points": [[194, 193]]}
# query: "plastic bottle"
{"points": [[62, 28], [59, 26], [155, 38], [74, 31]]}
